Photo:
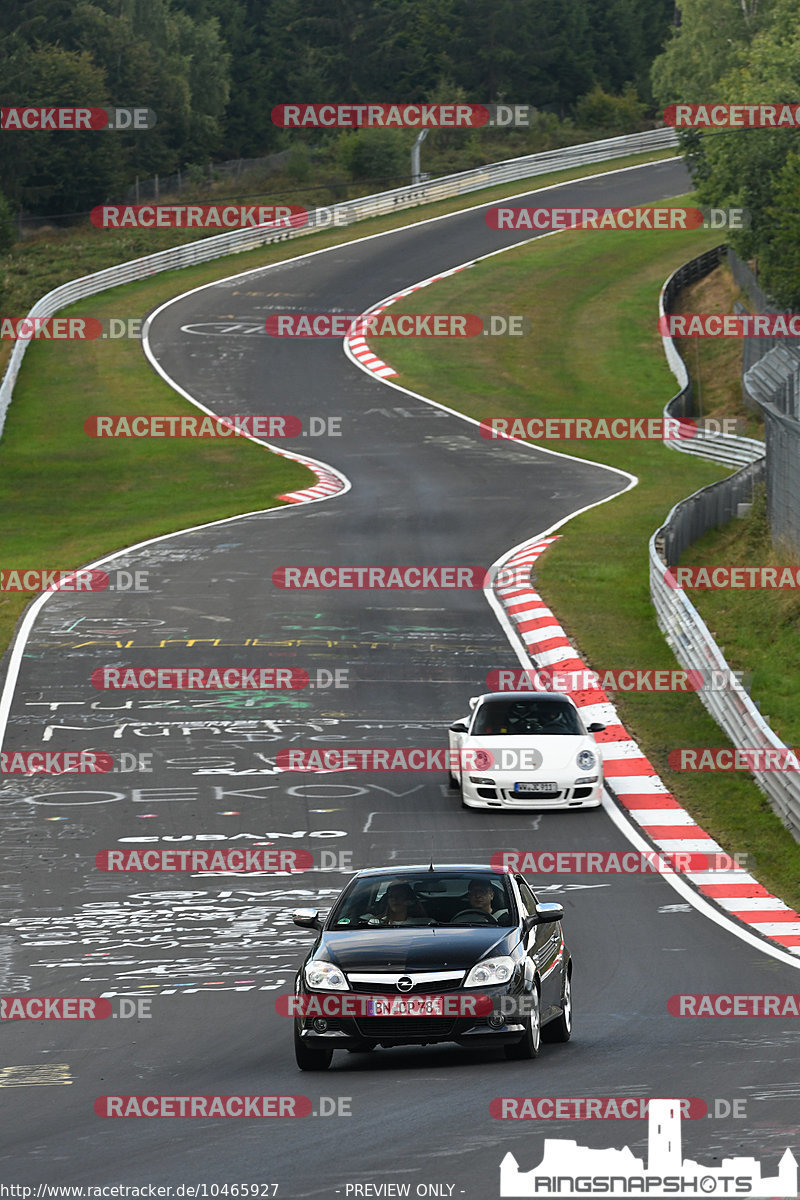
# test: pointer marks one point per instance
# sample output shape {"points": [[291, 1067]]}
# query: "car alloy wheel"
{"points": [[530, 1042], [560, 1030]]}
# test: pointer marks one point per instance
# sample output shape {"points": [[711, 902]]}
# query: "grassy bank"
{"points": [[594, 351]]}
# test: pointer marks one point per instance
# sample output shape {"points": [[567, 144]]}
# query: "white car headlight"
{"points": [[325, 977], [491, 970], [586, 760]]}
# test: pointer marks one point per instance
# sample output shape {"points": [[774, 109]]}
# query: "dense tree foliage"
{"points": [[212, 70], [744, 52]]}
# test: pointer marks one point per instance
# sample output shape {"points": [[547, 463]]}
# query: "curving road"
{"points": [[426, 489]]}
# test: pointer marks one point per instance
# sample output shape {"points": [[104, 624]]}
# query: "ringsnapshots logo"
{"points": [[72, 119], [569, 1170], [199, 216], [548, 220], [390, 324], [732, 116], [402, 116]]}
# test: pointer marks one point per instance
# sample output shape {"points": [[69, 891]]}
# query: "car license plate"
{"points": [[406, 1006], [536, 787]]}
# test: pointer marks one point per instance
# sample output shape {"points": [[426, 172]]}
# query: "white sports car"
{"points": [[525, 750]]}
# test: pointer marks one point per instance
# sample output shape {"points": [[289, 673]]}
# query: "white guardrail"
{"points": [[343, 214], [688, 635]]}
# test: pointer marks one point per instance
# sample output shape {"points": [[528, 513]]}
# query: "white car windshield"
{"points": [[515, 718]]}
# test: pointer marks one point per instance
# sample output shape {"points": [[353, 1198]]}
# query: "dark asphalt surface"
{"points": [[426, 490]]}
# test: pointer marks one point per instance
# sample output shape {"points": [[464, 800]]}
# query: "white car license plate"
{"points": [[406, 1006], [536, 787]]}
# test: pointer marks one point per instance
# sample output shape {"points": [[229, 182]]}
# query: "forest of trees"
{"points": [[212, 70], [743, 51]]}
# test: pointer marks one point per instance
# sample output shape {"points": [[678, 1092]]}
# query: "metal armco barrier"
{"points": [[724, 448], [680, 622], [345, 214]]}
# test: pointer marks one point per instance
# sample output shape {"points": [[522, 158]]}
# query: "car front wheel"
{"points": [[560, 1030], [309, 1058], [531, 1040]]}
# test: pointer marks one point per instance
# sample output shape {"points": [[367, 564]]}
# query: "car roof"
{"points": [[553, 697], [449, 869]]}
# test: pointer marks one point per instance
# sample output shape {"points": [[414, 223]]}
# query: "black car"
{"points": [[409, 955]]}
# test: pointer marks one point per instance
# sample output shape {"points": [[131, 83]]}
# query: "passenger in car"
{"points": [[400, 903]]}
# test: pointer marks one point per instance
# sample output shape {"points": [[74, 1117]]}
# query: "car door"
{"points": [[545, 948]]}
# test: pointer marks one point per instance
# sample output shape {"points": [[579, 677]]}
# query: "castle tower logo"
{"points": [[568, 1169]]}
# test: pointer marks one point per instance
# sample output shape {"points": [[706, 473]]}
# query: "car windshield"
{"points": [[515, 718], [463, 898]]}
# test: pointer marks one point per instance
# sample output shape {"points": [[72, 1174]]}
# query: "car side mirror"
{"points": [[307, 918], [595, 727], [547, 914], [459, 727]]}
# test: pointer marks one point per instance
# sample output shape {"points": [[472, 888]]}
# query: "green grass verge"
{"points": [[758, 629], [594, 350]]}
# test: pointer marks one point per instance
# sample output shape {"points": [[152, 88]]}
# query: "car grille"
{"points": [[425, 987], [405, 1027], [534, 797]]}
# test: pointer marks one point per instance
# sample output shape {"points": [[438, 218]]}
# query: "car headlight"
{"points": [[325, 977], [586, 760], [484, 779], [491, 970]]}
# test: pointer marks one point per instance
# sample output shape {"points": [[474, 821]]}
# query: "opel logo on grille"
{"points": [[404, 984]]}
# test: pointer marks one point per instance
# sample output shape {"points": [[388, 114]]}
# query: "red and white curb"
{"points": [[329, 481], [631, 776], [357, 346]]}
